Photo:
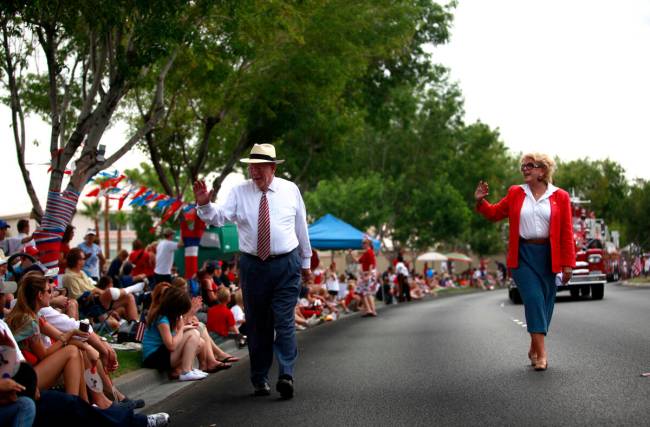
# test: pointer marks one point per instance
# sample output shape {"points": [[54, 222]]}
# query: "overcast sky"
{"points": [[570, 78]]}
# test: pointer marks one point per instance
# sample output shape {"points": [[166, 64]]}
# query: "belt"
{"points": [[534, 241], [270, 258]]}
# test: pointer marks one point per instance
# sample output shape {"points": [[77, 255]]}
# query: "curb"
{"points": [[634, 285], [154, 386]]}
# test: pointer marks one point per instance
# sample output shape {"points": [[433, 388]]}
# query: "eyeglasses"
{"points": [[530, 165]]}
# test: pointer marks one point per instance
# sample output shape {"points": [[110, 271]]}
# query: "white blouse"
{"points": [[535, 216]]}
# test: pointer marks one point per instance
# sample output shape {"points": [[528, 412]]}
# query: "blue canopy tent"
{"points": [[329, 232]]}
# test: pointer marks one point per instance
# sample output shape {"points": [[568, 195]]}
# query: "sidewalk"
{"points": [[636, 283], [153, 386]]}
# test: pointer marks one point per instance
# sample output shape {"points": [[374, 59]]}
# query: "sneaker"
{"points": [[200, 372], [160, 419], [313, 321], [300, 328], [191, 376]]}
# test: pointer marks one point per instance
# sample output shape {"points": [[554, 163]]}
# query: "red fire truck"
{"points": [[597, 256]]}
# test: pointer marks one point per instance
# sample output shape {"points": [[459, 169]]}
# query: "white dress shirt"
{"points": [[535, 216], [286, 210]]}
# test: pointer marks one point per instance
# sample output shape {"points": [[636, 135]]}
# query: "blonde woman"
{"points": [[540, 243]]}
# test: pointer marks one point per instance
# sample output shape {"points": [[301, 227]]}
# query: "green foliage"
{"points": [[143, 220], [365, 201], [635, 208], [601, 181], [92, 210]]}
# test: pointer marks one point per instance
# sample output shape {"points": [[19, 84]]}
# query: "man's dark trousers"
{"points": [[270, 289]]}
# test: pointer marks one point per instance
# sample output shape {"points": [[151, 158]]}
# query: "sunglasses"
{"points": [[530, 165]]}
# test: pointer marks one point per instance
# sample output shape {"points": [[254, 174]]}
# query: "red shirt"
{"points": [[141, 260], [560, 227], [368, 260], [220, 319]]}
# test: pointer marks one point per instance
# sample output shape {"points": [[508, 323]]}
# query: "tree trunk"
{"points": [[119, 239], [107, 246]]}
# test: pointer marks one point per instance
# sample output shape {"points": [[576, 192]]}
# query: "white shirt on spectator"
{"points": [[62, 322], [238, 314], [287, 215], [400, 268], [4, 328], [165, 256], [332, 283], [535, 216]]}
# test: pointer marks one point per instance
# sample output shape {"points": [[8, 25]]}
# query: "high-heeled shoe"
{"points": [[541, 365], [533, 358]]}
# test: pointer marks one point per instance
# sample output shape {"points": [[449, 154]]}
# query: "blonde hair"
{"points": [[223, 295], [239, 298], [546, 161]]}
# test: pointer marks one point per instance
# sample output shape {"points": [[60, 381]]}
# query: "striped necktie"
{"points": [[264, 230]]}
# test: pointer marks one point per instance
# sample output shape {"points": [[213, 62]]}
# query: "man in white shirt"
{"points": [[165, 257], [271, 222]]}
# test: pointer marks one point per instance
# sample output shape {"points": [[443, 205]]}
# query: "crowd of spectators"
{"points": [[181, 324]]}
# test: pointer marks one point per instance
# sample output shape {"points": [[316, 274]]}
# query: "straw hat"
{"points": [[262, 153]]}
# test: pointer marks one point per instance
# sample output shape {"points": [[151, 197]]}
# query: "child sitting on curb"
{"points": [[221, 322]]}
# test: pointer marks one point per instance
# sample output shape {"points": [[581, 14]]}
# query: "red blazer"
{"points": [[561, 225]]}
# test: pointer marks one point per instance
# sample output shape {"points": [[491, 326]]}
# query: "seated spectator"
{"points": [[220, 319], [126, 275], [415, 289], [217, 274], [15, 410], [208, 288], [59, 358], [238, 312], [352, 300], [93, 300], [7, 289], [332, 282], [115, 268], [108, 359], [169, 344], [53, 406], [213, 359]]}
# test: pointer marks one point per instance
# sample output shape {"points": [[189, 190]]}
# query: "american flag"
{"points": [[637, 268], [142, 325]]}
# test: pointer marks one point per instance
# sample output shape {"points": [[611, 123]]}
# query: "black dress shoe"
{"points": [[263, 389], [285, 387]]}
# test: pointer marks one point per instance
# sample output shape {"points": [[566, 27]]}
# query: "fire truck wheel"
{"points": [[575, 292], [585, 291], [597, 291], [514, 296]]}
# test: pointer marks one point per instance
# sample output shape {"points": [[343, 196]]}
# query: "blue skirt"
{"points": [[536, 284]]}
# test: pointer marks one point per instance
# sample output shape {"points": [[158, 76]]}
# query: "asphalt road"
{"points": [[450, 361]]}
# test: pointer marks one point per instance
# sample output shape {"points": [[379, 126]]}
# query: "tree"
{"points": [[95, 54], [120, 219], [143, 221], [602, 182], [286, 73], [92, 210]]}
